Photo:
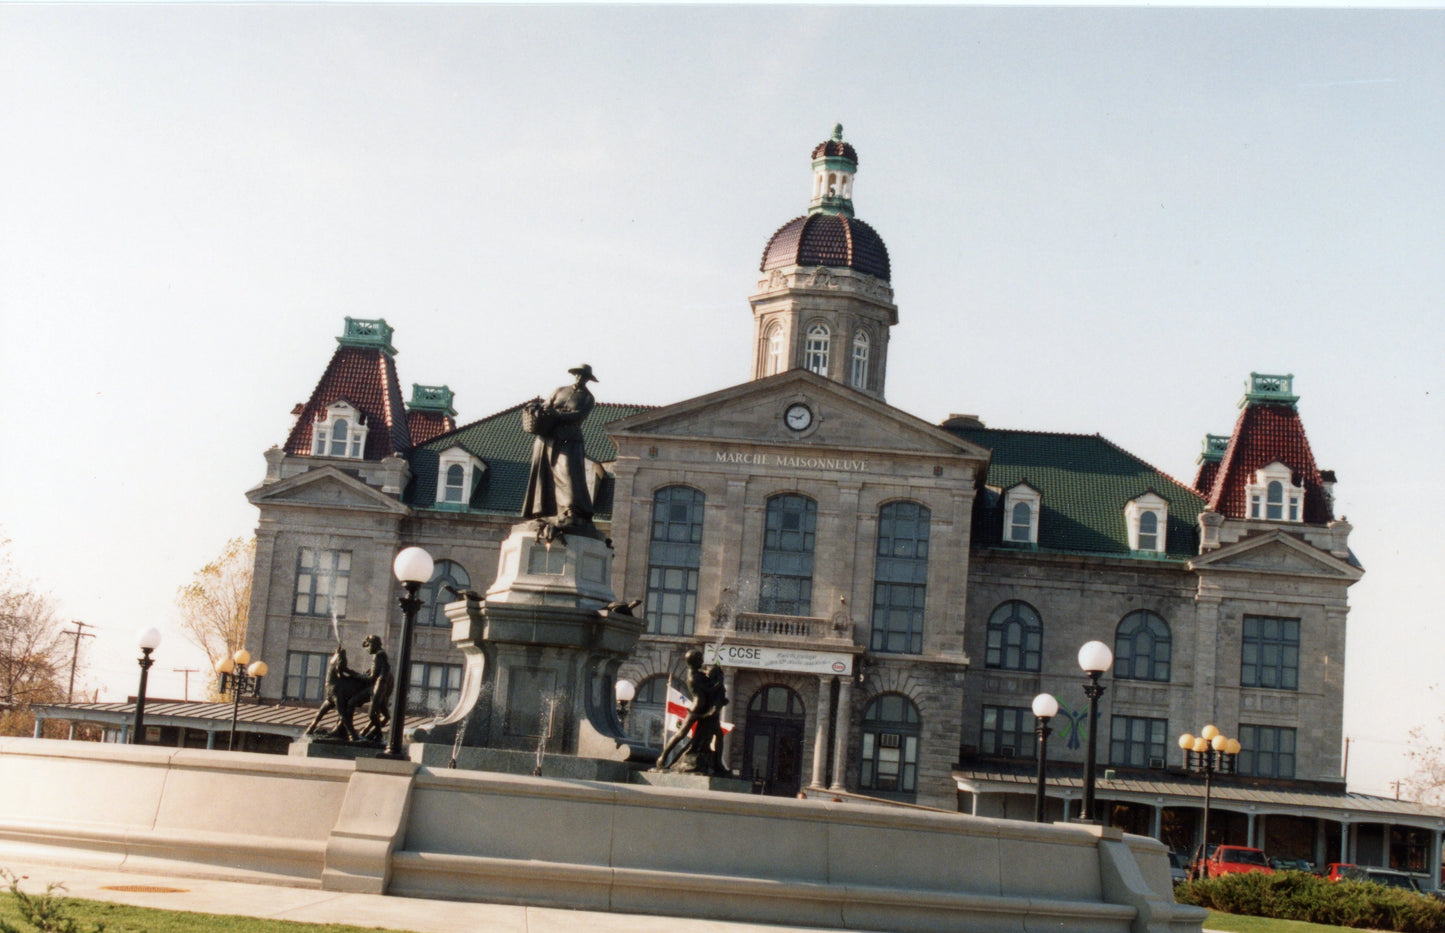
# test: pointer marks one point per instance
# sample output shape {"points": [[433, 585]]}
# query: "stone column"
{"points": [[820, 737], [1157, 829], [841, 733], [1434, 861]]}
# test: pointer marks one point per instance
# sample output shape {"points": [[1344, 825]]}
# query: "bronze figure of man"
{"points": [[557, 487], [380, 682]]}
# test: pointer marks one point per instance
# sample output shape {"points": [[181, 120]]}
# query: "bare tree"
{"points": [[33, 656], [1427, 755], [214, 606]]}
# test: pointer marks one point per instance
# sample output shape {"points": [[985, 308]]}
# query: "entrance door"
{"points": [[773, 744]]}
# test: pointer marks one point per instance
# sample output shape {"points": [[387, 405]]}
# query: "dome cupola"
{"points": [[825, 303]]}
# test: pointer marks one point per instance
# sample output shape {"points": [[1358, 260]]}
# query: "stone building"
{"points": [[887, 595]]}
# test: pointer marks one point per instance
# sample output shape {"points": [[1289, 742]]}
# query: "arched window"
{"points": [[1015, 637], [646, 712], [1142, 647], [861, 346], [1021, 524], [888, 750], [789, 534], [815, 350], [456, 479], [1148, 531], [338, 438], [773, 364], [1274, 501], [674, 557], [900, 580], [434, 597]]}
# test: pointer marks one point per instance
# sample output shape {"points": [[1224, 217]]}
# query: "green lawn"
{"points": [[119, 918], [1235, 923]]}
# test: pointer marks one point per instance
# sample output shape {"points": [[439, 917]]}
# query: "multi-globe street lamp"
{"points": [[149, 640], [1208, 752], [1095, 658], [413, 567], [1045, 708], [241, 677]]}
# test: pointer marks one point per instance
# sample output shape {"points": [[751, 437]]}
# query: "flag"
{"points": [[677, 709]]}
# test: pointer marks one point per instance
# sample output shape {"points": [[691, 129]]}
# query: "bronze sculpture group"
{"points": [[347, 689], [701, 729]]}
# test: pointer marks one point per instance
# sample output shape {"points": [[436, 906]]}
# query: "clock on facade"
{"points": [[798, 416]]}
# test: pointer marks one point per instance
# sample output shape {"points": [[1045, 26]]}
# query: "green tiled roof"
{"points": [[1085, 482], [501, 443]]}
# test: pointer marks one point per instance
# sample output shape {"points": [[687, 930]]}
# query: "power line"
{"points": [[79, 633], [187, 671]]}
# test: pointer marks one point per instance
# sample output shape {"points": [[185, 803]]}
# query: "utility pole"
{"points": [[187, 672], [79, 633]]}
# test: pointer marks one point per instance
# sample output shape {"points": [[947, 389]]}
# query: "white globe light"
{"points": [[149, 639], [626, 691], [1095, 657], [1045, 706], [413, 565]]}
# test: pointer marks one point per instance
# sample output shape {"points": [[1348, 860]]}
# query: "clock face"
{"points": [[798, 417]]}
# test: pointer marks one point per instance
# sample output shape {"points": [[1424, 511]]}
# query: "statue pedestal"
{"points": [[541, 655], [574, 572]]}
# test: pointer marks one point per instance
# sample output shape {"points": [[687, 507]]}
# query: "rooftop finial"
{"points": [[838, 132]]}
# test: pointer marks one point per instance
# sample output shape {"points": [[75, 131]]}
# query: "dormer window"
{"points": [[1273, 496], [459, 474], [340, 432], [1147, 518], [1021, 514]]}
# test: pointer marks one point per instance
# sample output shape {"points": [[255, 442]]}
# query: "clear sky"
{"points": [[1099, 221]]}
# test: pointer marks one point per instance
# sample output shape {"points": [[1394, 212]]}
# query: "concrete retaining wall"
{"points": [[395, 827]]}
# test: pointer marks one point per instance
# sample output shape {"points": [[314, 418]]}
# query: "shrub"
{"points": [[1294, 895], [47, 912]]}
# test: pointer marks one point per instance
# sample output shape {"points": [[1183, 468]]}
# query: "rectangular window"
{"points": [[1270, 653], [790, 531], [305, 675], [674, 559], [1137, 742], [900, 585], [1266, 751], [1008, 731], [322, 581], [433, 688]]}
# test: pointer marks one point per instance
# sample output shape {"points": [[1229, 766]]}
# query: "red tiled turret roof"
{"points": [[365, 377], [1263, 434], [426, 425]]}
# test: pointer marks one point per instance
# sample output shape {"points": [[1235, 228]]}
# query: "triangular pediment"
{"points": [[325, 488], [796, 408], [1277, 553]]}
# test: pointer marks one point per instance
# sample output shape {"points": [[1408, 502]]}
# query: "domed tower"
{"points": [[824, 302]]}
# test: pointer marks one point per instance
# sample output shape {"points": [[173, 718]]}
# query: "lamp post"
{"points": [[239, 676], [149, 640], [1045, 708], [1095, 658], [626, 692], [1206, 753], [412, 567]]}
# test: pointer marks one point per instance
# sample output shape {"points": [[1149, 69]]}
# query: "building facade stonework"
{"points": [[887, 595]]}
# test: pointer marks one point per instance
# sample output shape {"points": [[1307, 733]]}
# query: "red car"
{"points": [[1341, 871], [1231, 860]]}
